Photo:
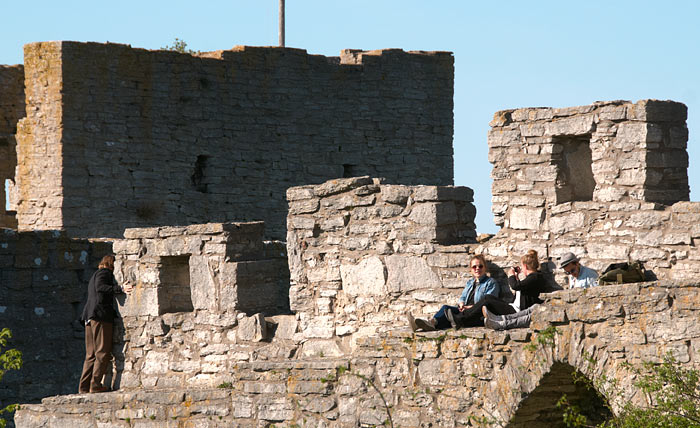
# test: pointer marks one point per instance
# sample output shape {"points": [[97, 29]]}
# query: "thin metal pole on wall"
{"points": [[281, 31]]}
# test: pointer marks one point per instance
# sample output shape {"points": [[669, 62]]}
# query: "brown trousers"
{"points": [[98, 354]]}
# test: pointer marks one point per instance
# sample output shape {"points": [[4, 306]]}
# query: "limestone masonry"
{"points": [[193, 169], [117, 137], [210, 364], [607, 181], [11, 111]]}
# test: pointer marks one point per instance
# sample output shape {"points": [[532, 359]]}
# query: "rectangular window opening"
{"points": [[174, 291], [575, 181]]}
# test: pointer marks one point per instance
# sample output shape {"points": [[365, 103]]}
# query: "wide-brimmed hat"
{"points": [[566, 259]]}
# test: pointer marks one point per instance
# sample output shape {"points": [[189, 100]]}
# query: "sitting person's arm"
{"points": [[517, 285], [462, 302], [491, 287]]}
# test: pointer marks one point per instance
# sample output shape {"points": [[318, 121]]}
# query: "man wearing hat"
{"points": [[579, 276]]}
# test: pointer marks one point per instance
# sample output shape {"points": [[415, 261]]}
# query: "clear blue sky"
{"points": [[508, 54]]}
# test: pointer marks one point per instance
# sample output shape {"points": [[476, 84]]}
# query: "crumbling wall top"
{"points": [[222, 134]]}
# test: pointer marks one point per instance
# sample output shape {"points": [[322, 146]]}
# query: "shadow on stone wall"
{"points": [[43, 283]]}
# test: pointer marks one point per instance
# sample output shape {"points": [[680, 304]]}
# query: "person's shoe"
{"points": [[451, 318], [493, 324], [83, 391], [492, 321], [425, 325], [99, 389], [411, 321]]}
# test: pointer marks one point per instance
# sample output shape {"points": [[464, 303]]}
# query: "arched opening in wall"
{"points": [[575, 180], [174, 291], [539, 408]]}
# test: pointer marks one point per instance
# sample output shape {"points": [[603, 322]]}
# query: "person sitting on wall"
{"points": [[98, 316], [520, 319], [479, 286], [579, 276], [527, 292]]}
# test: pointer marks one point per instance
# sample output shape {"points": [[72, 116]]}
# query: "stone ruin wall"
{"points": [[222, 135], [43, 280], [212, 275], [410, 242], [230, 276], [233, 267], [607, 181], [216, 365], [362, 253], [220, 363], [11, 111]]}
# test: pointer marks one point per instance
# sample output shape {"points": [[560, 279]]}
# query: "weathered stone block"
{"points": [[141, 301], [406, 273], [526, 218], [252, 329], [204, 283], [394, 194], [566, 223], [366, 278], [578, 125], [340, 185], [607, 251], [275, 409], [316, 348], [300, 193]]}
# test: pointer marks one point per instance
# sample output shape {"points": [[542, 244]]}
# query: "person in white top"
{"points": [[580, 276]]}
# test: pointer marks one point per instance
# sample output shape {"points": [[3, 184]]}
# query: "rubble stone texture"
{"points": [[199, 369], [362, 253], [221, 136], [11, 111], [607, 181], [215, 267]]}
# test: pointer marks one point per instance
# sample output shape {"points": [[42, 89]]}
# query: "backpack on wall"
{"points": [[622, 273]]}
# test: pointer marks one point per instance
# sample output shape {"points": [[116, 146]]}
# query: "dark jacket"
{"points": [[530, 288], [100, 299]]}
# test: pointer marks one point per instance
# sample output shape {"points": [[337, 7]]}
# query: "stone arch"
{"points": [[529, 384], [539, 409]]}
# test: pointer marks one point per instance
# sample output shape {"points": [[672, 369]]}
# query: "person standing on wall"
{"points": [[98, 316]]}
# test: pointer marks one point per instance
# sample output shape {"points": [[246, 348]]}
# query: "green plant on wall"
{"points": [[179, 46], [10, 359], [672, 395]]}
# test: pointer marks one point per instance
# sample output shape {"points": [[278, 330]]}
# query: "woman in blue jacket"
{"points": [[527, 294], [476, 289]]}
